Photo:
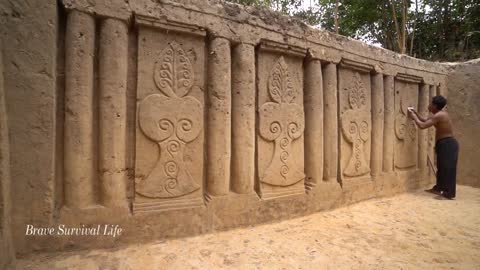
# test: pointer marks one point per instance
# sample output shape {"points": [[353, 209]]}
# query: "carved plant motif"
{"points": [[406, 133], [281, 121], [171, 119], [356, 128]]}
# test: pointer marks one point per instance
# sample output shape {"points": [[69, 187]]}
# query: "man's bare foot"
{"points": [[443, 197], [434, 191]]}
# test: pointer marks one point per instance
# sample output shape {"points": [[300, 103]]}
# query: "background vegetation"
{"points": [[443, 30]]}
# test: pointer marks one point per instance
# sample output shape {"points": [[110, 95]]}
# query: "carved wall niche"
{"points": [[407, 89], [355, 118], [170, 117], [281, 120]]}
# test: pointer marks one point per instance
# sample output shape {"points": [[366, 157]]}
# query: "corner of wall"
{"points": [[463, 99]]}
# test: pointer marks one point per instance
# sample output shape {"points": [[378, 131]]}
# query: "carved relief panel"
{"points": [[281, 121], [406, 132], [170, 115], [355, 121]]}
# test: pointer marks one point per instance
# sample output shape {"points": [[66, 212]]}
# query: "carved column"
{"points": [[330, 122], [377, 123], [442, 90], [79, 169], [431, 131], [243, 118], [313, 106], [219, 121], [112, 112], [423, 133], [389, 122]]}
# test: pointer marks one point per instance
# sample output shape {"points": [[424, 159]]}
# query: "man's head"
{"points": [[438, 103]]}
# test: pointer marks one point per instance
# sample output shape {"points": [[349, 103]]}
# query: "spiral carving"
{"points": [[171, 169], [275, 127], [185, 125], [284, 143], [173, 147], [170, 184], [353, 128], [293, 129], [284, 170]]}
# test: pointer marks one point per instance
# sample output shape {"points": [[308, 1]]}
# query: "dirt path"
{"points": [[409, 231]]}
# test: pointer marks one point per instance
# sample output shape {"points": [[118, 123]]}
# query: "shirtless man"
{"points": [[446, 147]]}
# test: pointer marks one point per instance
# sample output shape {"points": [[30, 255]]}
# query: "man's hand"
{"points": [[411, 114]]}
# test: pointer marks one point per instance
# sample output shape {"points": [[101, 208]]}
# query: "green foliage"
{"points": [[447, 30]]}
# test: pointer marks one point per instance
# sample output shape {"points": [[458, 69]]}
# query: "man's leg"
{"points": [[451, 169], [438, 187]]}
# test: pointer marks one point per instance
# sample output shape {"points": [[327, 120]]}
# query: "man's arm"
{"points": [[424, 124], [420, 117]]}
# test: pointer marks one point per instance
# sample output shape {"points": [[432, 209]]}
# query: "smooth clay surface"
{"points": [[408, 231], [463, 99], [178, 118]]}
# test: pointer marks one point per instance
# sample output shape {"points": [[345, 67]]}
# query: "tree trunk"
{"points": [[404, 26], [413, 28], [397, 29], [336, 16]]}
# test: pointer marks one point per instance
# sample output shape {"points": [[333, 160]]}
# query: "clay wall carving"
{"points": [[181, 118]]}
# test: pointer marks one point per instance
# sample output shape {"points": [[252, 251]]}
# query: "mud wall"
{"points": [[463, 100], [7, 257], [185, 117]]}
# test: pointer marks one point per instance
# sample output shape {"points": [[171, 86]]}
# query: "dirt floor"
{"points": [[409, 231]]}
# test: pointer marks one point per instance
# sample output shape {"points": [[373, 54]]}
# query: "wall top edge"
{"points": [[250, 25]]}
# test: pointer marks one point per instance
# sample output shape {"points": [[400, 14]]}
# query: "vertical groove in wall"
{"points": [[60, 111], [257, 176], [131, 109]]}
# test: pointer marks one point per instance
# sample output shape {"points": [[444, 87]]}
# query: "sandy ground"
{"points": [[409, 231]]}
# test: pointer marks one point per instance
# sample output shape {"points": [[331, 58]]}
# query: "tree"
{"points": [[434, 29]]}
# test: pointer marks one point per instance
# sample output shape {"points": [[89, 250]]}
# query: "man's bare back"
{"points": [[443, 125]]}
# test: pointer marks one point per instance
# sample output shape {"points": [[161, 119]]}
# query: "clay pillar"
{"points": [[389, 121], [219, 113], [376, 158], [79, 169], [431, 130], [442, 90], [243, 117], [423, 133], [112, 82], [313, 105], [330, 139]]}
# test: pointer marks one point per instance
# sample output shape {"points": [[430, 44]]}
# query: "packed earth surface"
{"points": [[409, 231]]}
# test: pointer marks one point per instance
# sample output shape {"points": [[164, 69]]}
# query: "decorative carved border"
{"points": [[170, 25], [359, 66], [277, 47], [408, 78]]}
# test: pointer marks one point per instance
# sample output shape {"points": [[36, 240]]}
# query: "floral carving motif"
{"points": [[281, 121], [172, 120], [356, 127], [406, 133]]}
